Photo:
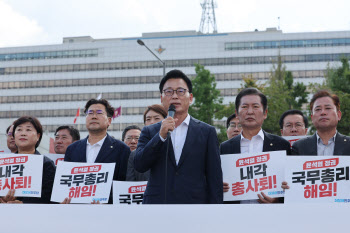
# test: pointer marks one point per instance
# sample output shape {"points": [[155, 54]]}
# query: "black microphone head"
{"points": [[171, 110]]}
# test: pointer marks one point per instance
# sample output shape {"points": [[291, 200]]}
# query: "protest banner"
{"points": [[83, 182], [22, 173], [5, 151], [128, 192], [292, 139], [250, 174], [55, 157], [317, 179]]}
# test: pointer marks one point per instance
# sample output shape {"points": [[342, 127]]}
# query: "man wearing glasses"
{"points": [[130, 136], [293, 123], [10, 140], [191, 174], [98, 146], [233, 126]]}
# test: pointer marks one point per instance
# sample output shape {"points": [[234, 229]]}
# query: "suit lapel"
{"points": [[192, 133], [82, 150], [171, 154], [312, 147], [339, 145], [106, 148], [236, 145], [268, 143]]}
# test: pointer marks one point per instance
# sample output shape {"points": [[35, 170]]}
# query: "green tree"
{"points": [[207, 104], [250, 81], [337, 79], [207, 99], [282, 94]]}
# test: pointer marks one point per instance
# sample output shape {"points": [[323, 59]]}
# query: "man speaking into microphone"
{"points": [[185, 166]]}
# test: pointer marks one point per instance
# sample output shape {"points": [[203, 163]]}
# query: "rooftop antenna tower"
{"points": [[208, 21]]}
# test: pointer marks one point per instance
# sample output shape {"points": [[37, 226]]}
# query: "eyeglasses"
{"points": [[98, 113], [129, 139], [179, 92], [234, 125], [9, 134], [297, 125]]}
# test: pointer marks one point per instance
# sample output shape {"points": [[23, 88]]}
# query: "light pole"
{"points": [[140, 42]]}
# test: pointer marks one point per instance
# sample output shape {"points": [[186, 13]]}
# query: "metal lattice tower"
{"points": [[208, 20]]}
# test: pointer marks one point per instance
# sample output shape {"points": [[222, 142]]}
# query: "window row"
{"points": [[79, 97], [64, 113], [286, 44], [80, 82], [49, 55], [173, 63], [142, 80], [87, 96]]}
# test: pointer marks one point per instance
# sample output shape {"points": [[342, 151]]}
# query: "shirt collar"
{"points": [[260, 133], [98, 143], [186, 121], [331, 139]]}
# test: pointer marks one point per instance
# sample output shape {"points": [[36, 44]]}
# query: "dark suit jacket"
{"points": [[112, 151], [132, 174], [197, 179], [271, 143], [308, 146]]}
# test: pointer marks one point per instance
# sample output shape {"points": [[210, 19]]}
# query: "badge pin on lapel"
{"points": [[111, 146], [271, 144]]}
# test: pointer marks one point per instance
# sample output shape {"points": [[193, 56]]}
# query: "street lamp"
{"points": [[140, 42]]}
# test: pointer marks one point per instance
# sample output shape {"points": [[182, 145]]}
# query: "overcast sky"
{"points": [[36, 22]]}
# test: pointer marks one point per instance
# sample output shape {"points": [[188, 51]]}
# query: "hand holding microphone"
{"points": [[168, 124]]}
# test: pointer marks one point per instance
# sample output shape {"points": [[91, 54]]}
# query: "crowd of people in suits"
{"points": [[179, 155]]}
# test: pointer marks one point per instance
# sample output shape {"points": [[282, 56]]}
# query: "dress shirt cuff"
{"points": [[163, 140]]}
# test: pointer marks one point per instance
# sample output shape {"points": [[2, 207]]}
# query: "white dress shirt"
{"points": [[252, 146], [325, 150], [178, 138], [93, 150]]}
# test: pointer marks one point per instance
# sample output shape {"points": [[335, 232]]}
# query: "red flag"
{"points": [[117, 112], [77, 115]]}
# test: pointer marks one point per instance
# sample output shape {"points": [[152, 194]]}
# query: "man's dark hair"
{"points": [[175, 74], [127, 129], [72, 131], [109, 108], [325, 93], [229, 119], [157, 108], [251, 91], [34, 121], [8, 128], [293, 112]]}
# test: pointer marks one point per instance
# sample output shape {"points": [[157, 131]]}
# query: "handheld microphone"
{"points": [[171, 112]]}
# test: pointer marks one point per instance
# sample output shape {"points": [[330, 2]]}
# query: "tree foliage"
{"points": [[207, 99], [337, 79], [282, 94]]}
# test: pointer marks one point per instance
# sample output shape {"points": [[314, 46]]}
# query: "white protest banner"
{"points": [[5, 151], [317, 179], [83, 182], [292, 139], [55, 157], [250, 174], [21, 172], [128, 192]]}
